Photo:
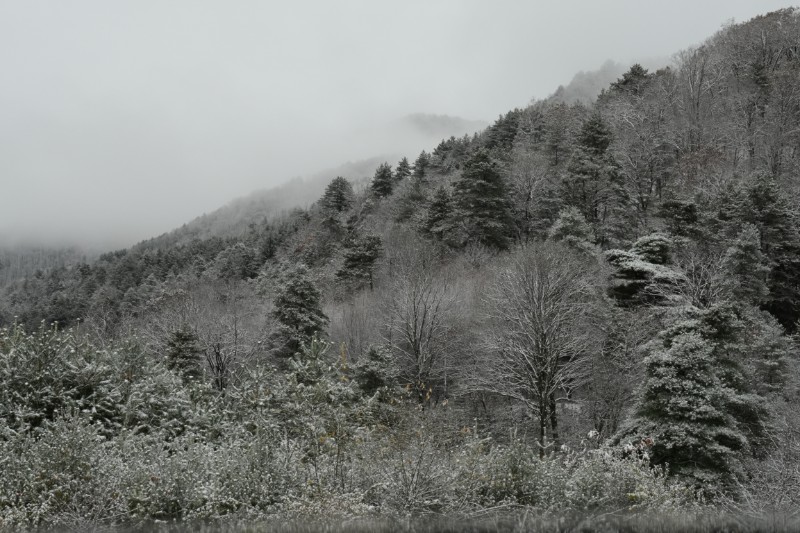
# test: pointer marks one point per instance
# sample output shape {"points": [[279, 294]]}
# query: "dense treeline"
{"points": [[583, 307]]}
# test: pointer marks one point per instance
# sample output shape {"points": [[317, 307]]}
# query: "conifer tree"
{"points": [[383, 182], [592, 183], [438, 220], [403, 170], [338, 196], [571, 229], [421, 166], [183, 353], [482, 206], [298, 310], [764, 205], [359, 260], [696, 404], [745, 268]]}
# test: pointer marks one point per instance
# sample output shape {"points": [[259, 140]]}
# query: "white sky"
{"points": [[120, 120]]}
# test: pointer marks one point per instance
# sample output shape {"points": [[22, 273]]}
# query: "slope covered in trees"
{"points": [[584, 307]]}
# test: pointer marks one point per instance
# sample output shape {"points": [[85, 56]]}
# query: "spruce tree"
{"points": [[298, 310], [482, 206], [383, 182], [403, 170]]}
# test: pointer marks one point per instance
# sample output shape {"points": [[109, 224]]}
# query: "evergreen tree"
{"points": [[338, 196], [403, 170], [375, 370], [298, 310], [183, 353], [745, 268], [632, 82], [695, 404], [592, 183], [482, 206], [438, 220], [383, 182], [359, 260], [765, 206], [571, 229], [421, 166]]}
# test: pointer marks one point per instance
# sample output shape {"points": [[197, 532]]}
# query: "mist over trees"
{"points": [[589, 307]]}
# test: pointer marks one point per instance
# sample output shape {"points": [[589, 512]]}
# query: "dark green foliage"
{"points": [[481, 203], [681, 217], [632, 82], [375, 370], [765, 206], [383, 181], [746, 270], [359, 260], [421, 166], [298, 310], [500, 136], [593, 182], [696, 404], [338, 196], [184, 354], [403, 170], [438, 221]]}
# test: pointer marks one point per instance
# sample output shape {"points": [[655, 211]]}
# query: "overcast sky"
{"points": [[120, 120]]}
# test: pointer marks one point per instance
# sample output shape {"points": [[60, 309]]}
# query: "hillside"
{"points": [[585, 307]]}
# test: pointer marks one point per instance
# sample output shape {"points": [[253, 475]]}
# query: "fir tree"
{"points": [[765, 206], [298, 310], [571, 229], [421, 166], [338, 196], [480, 198], [359, 260], [403, 170], [383, 182], [438, 219], [745, 267], [183, 353], [695, 402], [592, 183]]}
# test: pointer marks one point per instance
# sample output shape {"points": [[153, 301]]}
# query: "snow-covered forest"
{"points": [[584, 315]]}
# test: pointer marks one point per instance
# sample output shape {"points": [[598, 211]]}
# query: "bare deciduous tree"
{"points": [[536, 353]]}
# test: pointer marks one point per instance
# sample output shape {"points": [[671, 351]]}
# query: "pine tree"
{"points": [[359, 260], [592, 183], [482, 206], [383, 182], [403, 170], [438, 220], [298, 310], [338, 196], [421, 166]]}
